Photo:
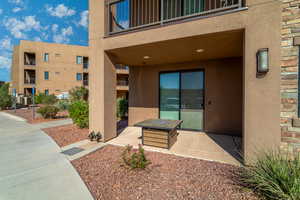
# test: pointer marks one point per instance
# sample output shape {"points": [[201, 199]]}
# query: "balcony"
{"points": [[121, 69], [85, 79], [127, 15], [123, 85], [85, 62], [29, 77], [29, 59]]}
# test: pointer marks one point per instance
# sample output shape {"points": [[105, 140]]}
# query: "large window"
{"points": [[182, 98], [79, 59], [46, 57], [79, 76], [46, 75]]}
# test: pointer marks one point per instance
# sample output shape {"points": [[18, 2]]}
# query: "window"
{"points": [[46, 57], [47, 92], [46, 75], [78, 76], [79, 59]]}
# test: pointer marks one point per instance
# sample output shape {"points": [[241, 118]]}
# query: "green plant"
{"points": [[79, 93], [135, 159], [79, 112], [122, 107], [95, 136], [48, 111], [38, 99], [63, 105], [49, 99], [5, 98], [274, 176]]}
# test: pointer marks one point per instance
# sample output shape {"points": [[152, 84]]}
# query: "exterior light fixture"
{"points": [[146, 57], [199, 50], [262, 60]]}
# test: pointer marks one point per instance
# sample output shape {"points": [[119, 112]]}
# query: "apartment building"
{"points": [[215, 64], [55, 68]]}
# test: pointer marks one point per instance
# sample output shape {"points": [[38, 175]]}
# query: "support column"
{"points": [[102, 99], [261, 113]]}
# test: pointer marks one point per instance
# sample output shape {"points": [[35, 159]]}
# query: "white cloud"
{"points": [[6, 44], [5, 62], [17, 9], [18, 27], [54, 28], [84, 18], [60, 11], [1, 11], [17, 2], [37, 39], [63, 36]]}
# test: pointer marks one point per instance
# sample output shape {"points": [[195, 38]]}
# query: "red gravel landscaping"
{"points": [[67, 134], [27, 114], [168, 177]]}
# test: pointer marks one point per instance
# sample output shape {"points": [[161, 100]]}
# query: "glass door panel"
{"points": [[192, 100], [169, 96]]}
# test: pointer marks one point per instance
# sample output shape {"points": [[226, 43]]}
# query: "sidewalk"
{"points": [[32, 167]]}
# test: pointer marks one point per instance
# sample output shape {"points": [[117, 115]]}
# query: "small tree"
{"points": [[79, 112], [79, 93], [48, 111], [5, 98], [122, 107]]}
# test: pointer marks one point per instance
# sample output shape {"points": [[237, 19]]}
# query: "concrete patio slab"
{"points": [[32, 167], [220, 148]]}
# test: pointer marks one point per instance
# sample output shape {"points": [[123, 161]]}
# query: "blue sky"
{"points": [[58, 21]]}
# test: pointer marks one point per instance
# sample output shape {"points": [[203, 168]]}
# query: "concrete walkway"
{"points": [[32, 167]]}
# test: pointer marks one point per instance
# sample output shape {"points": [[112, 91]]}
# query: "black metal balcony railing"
{"points": [[29, 81], [125, 15], [122, 67], [85, 65], [122, 82], [85, 82]]}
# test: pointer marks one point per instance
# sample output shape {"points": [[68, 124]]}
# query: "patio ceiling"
{"points": [[204, 47]]}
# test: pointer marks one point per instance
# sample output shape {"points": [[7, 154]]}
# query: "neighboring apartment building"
{"points": [[54, 68], [215, 64]]}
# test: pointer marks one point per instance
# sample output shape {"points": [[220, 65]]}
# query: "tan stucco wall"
{"points": [[62, 66], [223, 87], [261, 23]]}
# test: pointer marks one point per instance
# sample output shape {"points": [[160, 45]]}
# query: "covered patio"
{"points": [[200, 145]]}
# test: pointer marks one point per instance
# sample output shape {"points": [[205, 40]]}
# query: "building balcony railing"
{"points": [[122, 67], [85, 65], [29, 81], [122, 83], [85, 82], [126, 15]]}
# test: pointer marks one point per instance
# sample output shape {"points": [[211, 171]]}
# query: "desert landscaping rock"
{"points": [[168, 177]]}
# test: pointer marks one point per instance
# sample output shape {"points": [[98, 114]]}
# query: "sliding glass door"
{"points": [[182, 97]]}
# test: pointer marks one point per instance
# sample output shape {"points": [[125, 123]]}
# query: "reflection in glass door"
{"points": [[192, 100], [169, 96], [182, 97]]}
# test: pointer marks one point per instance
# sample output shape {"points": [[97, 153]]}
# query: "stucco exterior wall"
{"points": [[261, 23], [223, 88]]}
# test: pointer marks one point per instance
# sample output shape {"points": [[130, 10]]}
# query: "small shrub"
{"points": [[79, 94], [122, 107], [49, 99], [274, 176], [79, 112], [5, 98], [38, 99], [63, 105], [135, 159], [95, 136], [48, 111]]}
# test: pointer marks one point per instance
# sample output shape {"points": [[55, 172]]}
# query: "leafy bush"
{"points": [[5, 98], [79, 93], [48, 111], [63, 105], [135, 159], [45, 99], [274, 176], [79, 112], [122, 107], [38, 99]]}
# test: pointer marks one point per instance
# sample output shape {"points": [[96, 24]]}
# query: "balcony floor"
{"points": [[200, 145]]}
